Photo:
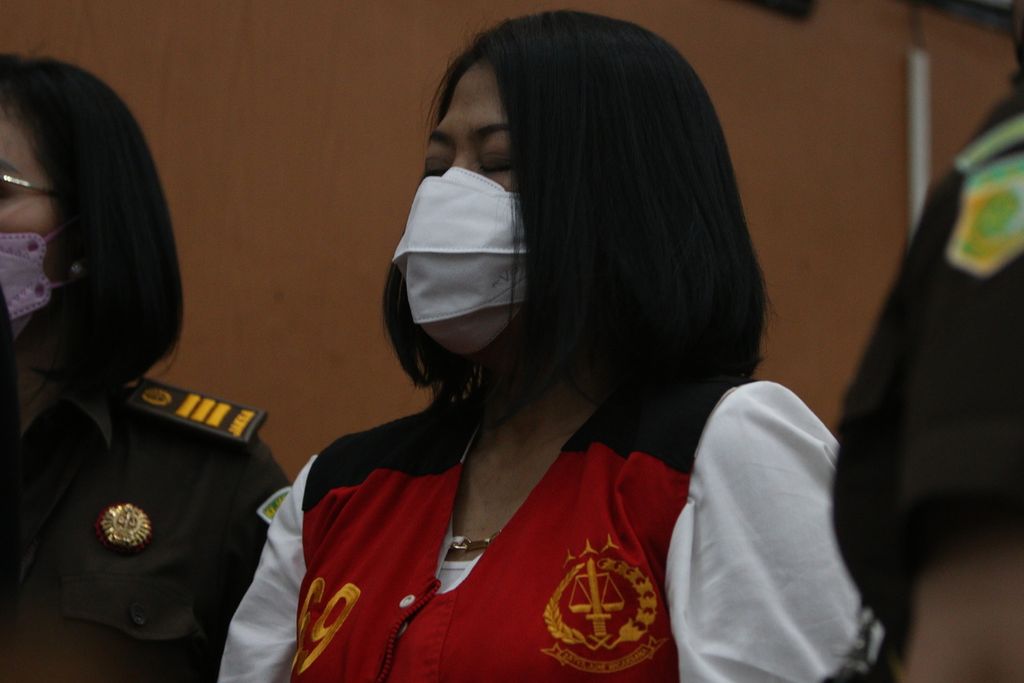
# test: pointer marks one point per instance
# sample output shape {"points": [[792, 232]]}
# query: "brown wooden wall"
{"points": [[289, 137]]}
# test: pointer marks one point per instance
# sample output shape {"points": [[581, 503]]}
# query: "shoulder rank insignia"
{"points": [[268, 508], [989, 232], [227, 421]]}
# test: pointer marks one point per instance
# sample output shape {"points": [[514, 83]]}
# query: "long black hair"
{"points": [[126, 313], [635, 247]]}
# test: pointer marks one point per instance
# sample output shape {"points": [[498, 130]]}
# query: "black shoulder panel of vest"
{"points": [[665, 421], [425, 443], [230, 423]]}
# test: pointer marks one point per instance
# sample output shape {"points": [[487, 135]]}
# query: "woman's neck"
{"points": [[511, 456], [548, 420]]}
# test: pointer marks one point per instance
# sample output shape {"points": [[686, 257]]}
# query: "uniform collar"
{"points": [[96, 408]]}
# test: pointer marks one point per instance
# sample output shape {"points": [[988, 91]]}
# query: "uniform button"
{"points": [[138, 613], [407, 600]]}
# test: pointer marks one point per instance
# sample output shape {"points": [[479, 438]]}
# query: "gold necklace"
{"points": [[465, 544]]}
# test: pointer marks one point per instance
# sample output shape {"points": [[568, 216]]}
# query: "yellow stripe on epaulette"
{"points": [[227, 421], [1000, 138]]}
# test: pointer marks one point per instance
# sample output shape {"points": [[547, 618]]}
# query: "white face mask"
{"points": [[458, 259]]}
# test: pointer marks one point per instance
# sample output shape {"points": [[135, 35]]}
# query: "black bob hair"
{"points": [[126, 313], [635, 247]]}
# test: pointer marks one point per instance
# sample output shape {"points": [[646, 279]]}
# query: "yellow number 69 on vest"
{"points": [[322, 631]]}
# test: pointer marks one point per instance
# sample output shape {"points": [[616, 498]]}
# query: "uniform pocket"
{"points": [[141, 607]]}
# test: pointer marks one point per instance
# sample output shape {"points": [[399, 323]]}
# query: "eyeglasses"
{"points": [[23, 184]]}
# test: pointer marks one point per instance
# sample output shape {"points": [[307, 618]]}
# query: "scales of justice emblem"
{"points": [[611, 606]]}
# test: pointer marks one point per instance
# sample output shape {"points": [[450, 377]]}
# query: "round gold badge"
{"points": [[156, 397], [124, 528]]}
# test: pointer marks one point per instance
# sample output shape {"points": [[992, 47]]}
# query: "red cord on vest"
{"points": [[389, 651]]}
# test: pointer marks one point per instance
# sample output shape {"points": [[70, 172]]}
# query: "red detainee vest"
{"points": [[571, 587]]}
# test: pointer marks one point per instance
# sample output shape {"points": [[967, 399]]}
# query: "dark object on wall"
{"points": [[10, 468], [995, 13], [794, 8]]}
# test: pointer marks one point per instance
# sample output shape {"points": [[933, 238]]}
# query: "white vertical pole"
{"points": [[919, 131]]}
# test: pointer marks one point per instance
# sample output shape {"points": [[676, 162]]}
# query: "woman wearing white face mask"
{"points": [[598, 487], [138, 525]]}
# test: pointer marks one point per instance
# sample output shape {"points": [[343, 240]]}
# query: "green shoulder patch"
{"points": [[997, 139], [268, 508], [216, 417], [989, 233]]}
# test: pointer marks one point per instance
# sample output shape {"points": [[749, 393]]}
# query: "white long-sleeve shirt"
{"points": [[754, 585]]}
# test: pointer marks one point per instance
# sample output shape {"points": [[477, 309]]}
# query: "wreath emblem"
{"points": [[600, 588]]}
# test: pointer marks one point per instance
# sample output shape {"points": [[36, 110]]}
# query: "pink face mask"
{"points": [[26, 287]]}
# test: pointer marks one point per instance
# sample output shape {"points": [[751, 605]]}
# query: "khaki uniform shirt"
{"points": [[936, 413], [88, 612]]}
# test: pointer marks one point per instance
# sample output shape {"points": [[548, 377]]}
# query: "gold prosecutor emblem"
{"points": [[124, 528], [602, 610]]}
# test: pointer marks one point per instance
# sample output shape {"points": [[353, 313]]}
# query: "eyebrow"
{"points": [[480, 133]]}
